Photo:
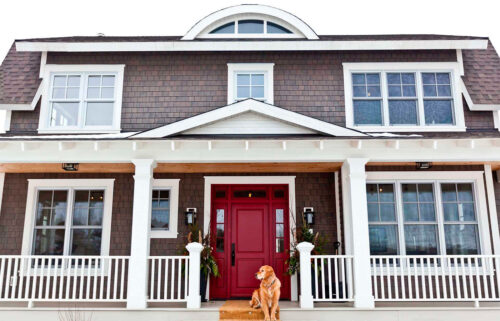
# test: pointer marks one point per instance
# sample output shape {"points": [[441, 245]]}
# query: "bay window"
{"points": [[82, 98], [426, 215], [403, 97]]}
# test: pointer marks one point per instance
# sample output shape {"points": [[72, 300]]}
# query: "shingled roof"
{"points": [[19, 72]]}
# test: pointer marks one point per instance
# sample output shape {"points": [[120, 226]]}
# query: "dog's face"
{"points": [[264, 273]]}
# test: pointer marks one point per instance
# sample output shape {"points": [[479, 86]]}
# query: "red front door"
{"points": [[250, 229]]}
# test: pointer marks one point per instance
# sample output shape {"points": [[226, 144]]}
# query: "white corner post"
{"points": [[357, 241], [194, 297], [306, 298], [141, 223]]}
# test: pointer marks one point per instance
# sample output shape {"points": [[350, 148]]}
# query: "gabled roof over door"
{"points": [[249, 117]]}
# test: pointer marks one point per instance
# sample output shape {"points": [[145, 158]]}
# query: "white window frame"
{"points": [[437, 178], [453, 68], [171, 185], [233, 69], [83, 70], [34, 185]]}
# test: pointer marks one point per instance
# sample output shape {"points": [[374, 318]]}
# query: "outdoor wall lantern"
{"points": [[190, 216], [70, 167], [309, 215], [424, 165]]}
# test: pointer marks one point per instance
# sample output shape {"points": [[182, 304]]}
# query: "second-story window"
{"points": [[82, 101], [403, 97], [250, 80]]}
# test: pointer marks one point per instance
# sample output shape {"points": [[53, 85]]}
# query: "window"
{"points": [[280, 230], [403, 97], [432, 213], [250, 81], [250, 27], [68, 217], [164, 208], [82, 98]]}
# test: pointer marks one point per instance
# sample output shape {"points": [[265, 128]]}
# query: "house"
{"points": [[389, 145]]}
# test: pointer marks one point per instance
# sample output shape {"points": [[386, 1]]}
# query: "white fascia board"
{"points": [[477, 107], [15, 107], [245, 106], [269, 45]]}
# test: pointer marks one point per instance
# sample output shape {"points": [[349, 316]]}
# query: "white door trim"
{"points": [[288, 180]]}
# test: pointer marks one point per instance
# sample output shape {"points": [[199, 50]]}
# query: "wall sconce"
{"points": [[309, 215], [190, 216], [70, 167], [424, 165]]}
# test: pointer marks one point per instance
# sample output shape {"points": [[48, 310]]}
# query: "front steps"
{"points": [[240, 310]]}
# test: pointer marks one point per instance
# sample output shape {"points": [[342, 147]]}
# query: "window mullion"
{"points": [[69, 223], [83, 100], [420, 98], [400, 218], [385, 103], [440, 217]]}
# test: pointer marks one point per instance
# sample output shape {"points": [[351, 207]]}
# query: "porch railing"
{"points": [[331, 278], [63, 278], [168, 278], [436, 278]]}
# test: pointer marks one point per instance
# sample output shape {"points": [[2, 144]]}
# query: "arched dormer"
{"points": [[250, 21]]}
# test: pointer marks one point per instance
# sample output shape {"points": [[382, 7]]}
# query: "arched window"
{"points": [[251, 26]]}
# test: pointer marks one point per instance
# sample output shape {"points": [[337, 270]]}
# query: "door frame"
{"points": [[253, 180]]}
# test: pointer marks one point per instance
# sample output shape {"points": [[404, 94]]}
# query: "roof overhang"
{"points": [[257, 45], [249, 105]]}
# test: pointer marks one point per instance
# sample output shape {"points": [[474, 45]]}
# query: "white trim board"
{"points": [[173, 186], [2, 182], [249, 105], [270, 45], [288, 180], [233, 69], [495, 108], [71, 184]]}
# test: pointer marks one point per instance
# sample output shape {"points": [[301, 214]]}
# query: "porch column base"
{"points": [[141, 223], [306, 298]]}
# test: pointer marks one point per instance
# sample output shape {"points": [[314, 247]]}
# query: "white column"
{"points": [[492, 207], [2, 180], [194, 297], [141, 223], [306, 298], [357, 242]]}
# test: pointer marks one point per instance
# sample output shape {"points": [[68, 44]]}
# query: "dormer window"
{"points": [[83, 99], [248, 27]]}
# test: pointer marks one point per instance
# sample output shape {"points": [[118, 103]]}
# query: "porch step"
{"points": [[240, 310]]}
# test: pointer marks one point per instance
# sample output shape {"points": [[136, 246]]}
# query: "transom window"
{"points": [[251, 27], [423, 218], [82, 101], [70, 217], [397, 98], [252, 80]]}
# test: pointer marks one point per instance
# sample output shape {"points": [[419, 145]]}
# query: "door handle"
{"points": [[233, 255]]}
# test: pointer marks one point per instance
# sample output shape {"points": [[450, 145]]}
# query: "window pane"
{"points": [[49, 242], [95, 216], [409, 91], [250, 26], [81, 198], [359, 91], [427, 212], [227, 28], [450, 211], [86, 242], [430, 91], [394, 78], [395, 91], [243, 91], [373, 79], [373, 91], [428, 78], [383, 240], [243, 79], [258, 79], [372, 193], [466, 212], [58, 92], [97, 199], [73, 81], [448, 192], [420, 239], [409, 192], [72, 93], [258, 92], [465, 192], [220, 230], [444, 90], [438, 112], [276, 28], [461, 239], [160, 218], [279, 216], [408, 78], [107, 92], [51, 208], [94, 81], [58, 216], [373, 212], [45, 198], [80, 216], [99, 114], [386, 192], [443, 78], [64, 114], [387, 212], [367, 112], [358, 79], [93, 92], [220, 216], [403, 112], [279, 230], [410, 211], [425, 193], [59, 81], [108, 81]]}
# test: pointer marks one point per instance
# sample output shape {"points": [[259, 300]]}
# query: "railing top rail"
{"points": [[65, 256], [168, 257], [434, 256], [332, 256]]}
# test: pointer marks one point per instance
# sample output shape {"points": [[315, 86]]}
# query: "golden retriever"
{"points": [[268, 295]]}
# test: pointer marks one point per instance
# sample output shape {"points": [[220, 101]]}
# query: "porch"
{"points": [[142, 271]]}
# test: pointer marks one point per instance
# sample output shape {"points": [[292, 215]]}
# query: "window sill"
{"points": [[79, 131], [411, 129], [158, 234]]}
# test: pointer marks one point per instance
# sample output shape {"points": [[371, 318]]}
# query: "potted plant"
{"points": [[304, 233], [208, 264]]}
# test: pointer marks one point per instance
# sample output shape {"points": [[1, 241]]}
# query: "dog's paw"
{"points": [[267, 319]]}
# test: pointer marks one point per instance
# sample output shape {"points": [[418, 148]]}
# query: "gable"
{"points": [[248, 123], [262, 119]]}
